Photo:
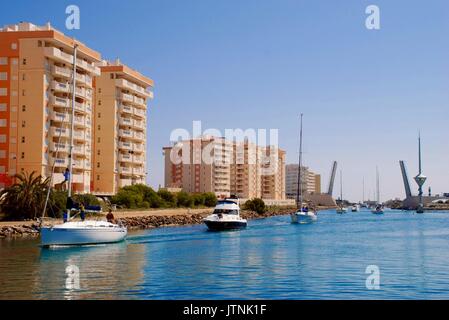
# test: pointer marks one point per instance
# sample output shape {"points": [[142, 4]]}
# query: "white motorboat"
{"points": [[355, 208], [226, 216], [78, 232], [82, 233]]}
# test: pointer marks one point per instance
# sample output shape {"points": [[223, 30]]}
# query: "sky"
{"points": [[365, 94]]}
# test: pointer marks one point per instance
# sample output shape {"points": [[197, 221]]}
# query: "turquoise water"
{"points": [[271, 259]]}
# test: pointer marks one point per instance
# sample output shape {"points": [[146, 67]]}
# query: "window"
{"points": [[23, 93], [99, 90], [2, 106], [98, 140], [13, 140], [98, 177], [14, 46], [15, 61], [98, 152], [99, 102], [112, 76], [13, 124], [2, 169], [3, 76], [98, 164], [24, 108], [23, 123], [39, 43], [99, 114], [3, 123], [24, 62], [23, 77], [2, 138], [14, 93], [2, 154], [23, 139], [3, 91], [22, 156], [99, 127], [3, 61], [14, 78]]}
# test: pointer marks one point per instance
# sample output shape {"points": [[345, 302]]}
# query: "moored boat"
{"points": [[226, 216]]}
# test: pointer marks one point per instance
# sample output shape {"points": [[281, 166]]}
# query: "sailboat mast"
{"points": [[299, 190], [377, 186], [72, 126], [341, 187], [363, 190]]}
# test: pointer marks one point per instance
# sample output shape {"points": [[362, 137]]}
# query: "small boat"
{"points": [[226, 216], [303, 214], [341, 208], [78, 232], [82, 233], [378, 210], [355, 208]]}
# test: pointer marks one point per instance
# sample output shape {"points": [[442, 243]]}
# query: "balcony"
{"points": [[65, 133], [126, 134], [78, 164], [138, 159], [139, 112], [125, 182], [80, 121], [125, 170], [79, 135], [139, 136], [125, 157], [140, 101], [60, 162], [126, 109], [60, 86], [61, 72], [125, 121], [80, 107], [88, 67], [59, 147], [126, 97], [138, 124], [60, 117], [78, 150], [60, 102], [125, 145], [138, 147], [123, 83], [58, 55]]}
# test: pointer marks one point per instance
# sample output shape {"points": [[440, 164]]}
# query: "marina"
{"points": [[271, 259]]}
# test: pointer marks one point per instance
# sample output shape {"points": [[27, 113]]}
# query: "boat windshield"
{"points": [[225, 211]]}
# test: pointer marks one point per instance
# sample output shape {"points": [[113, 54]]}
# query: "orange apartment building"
{"points": [[36, 68], [240, 169]]}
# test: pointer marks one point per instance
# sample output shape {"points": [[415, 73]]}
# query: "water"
{"points": [[272, 259]]}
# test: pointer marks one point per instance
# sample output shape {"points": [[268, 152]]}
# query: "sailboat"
{"points": [[420, 180], [79, 232], [303, 214], [378, 209], [341, 208]]}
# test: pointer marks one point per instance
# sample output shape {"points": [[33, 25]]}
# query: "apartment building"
{"points": [[223, 167], [36, 69], [311, 182], [36, 65], [119, 141], [199, 165]]}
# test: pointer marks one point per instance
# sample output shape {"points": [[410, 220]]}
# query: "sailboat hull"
{"points": [[303, 217], [81, 235]]}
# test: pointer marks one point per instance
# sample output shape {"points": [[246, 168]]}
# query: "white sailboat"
{"points": [[378, 209], [303, 214], [341, 208], [79, 232]]}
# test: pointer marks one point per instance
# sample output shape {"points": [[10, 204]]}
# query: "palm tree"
{"points": [[24, 199]]}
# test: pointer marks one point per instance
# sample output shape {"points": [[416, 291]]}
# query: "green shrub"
{"points": [[256, 204], [168, 198], [184, 199], [210, 199]]}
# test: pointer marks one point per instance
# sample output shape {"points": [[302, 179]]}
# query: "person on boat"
{"points": [[82, 211], [110, 216], [306, 209], [66, 178]]}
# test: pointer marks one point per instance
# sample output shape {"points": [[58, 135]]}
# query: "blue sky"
{"points": [[258, 64]]}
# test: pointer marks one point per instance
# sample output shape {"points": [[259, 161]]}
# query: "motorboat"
{"points": [[378, 210], [226, 216], [355, 208], [341, 210]]}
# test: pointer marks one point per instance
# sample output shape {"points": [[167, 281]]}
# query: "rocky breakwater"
{"points": [[148, 222], [19, 230]]}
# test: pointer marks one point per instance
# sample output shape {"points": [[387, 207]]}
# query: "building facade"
{"points": [[310, 181], [216, 165], [120, 127], [36, 76]]}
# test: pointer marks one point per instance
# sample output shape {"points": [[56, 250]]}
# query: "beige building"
{"points": [[36, 68], [217, 165], [311, 182], [120, 127]]}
